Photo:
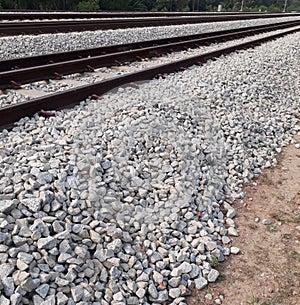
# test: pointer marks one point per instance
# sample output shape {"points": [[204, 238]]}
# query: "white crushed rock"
{"points": [[11, 97]]}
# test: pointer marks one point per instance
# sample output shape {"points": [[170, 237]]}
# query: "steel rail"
{"points": [[26, 62], [68, 98], [23, 28], [15, 78], [76, 15]]}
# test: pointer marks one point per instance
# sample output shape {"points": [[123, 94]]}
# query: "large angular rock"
{"points": [[5, 270], [7, 205], [30, 284], [213, 275], [4, 300], [200, 282], [33, 204], [43, 290], [77, 293], [47, 243]]}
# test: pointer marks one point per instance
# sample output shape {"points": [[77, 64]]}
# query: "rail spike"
{"points": [[57, 76], [90, 68], [15, 85], [117, 63], [46, 114]]}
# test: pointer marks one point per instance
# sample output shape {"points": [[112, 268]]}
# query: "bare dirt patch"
{"points": [[267, 270]]}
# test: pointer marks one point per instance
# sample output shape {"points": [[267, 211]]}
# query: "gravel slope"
{"points": [[125, 200]]}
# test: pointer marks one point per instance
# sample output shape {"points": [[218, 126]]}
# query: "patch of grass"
{"points": [[280, 197], [198, 299], [253, 226], [281, 298], [272, 229], [266, 179], [294, 256], [280, 157], [297, 218], [255, 300], [274, 301], [279, 216], [214, 262], [221, 277], [287, 236]]}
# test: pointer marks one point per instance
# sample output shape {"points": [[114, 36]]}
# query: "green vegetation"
{"points": [[214, 262], [88, 5], [279, 216], [152, 5], [222, 277], [254, 300], [272, 229], [297, 218], [266, 179]]}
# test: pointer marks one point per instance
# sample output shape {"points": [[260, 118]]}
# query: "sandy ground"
{"points": [[267, 270]]}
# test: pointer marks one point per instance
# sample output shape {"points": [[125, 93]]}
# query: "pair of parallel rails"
{"points": [[61, 26], [28, 70], [34, 15]]}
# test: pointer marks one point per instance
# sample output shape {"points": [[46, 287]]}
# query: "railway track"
{"points": [[77, 15], [10, 114], [15, 72], [25, 28]]}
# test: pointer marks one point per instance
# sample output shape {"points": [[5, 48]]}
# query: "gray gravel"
{"points": [[126, 200], [11, 97], [18, 46]]}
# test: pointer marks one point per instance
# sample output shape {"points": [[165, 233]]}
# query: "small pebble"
{"points": [[209, 296], [267, 221], [234, 250]]}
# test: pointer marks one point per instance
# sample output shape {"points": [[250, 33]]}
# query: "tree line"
{"points": [[152, 5]]}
